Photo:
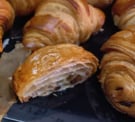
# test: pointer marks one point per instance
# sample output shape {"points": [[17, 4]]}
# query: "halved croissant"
{"points": [[117, 75], [100, 3], [7, 16], [62, 21], [51, 69], [124, 13]]}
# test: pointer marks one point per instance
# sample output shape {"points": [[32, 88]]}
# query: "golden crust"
{"points": [[121, 6], [123, 12], [50, 63], [62, 21], [117, 70]]}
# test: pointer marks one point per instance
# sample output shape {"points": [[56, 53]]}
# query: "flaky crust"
{"points": [[62, 21], [123, 12], [117, 70], [53, 68]]}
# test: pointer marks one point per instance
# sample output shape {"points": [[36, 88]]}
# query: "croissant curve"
{"points": [[117, 70], [72, 22], [123, 12], [54, 21]]}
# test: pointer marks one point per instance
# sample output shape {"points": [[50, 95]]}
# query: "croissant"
{"points": [[62, 21], [24, 7], [123, 12], [7, 16], [53, 68], [117, 70], [100, 3]]}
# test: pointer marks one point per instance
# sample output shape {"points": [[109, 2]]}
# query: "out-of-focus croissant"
{"points": [[117, 75], [124, 13], [11, 8], [24, 7], [100, 3], [6, 19], [53, 68], [62, 21]]}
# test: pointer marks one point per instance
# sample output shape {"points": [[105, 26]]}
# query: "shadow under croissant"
{"points": [[59, 102]]}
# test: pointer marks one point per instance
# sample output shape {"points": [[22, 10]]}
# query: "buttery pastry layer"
{"points": [[53, 68], [117, 76]]}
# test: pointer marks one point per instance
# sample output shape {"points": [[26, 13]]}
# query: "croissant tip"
{"points": [[23, 99]]}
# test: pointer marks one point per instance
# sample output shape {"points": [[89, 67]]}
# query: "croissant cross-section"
{"points": [[53, 68]]}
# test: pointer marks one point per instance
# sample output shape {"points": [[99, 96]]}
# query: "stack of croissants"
{"points": [[57, 62]]}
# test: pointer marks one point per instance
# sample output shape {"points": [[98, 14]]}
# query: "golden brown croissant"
{"points": [[100, 3], [124, 13], [24, 7], [53, 68], [6, 19], [62, 21], [117, 75]]}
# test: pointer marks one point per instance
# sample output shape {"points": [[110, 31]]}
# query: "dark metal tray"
{"points": [[84, 103]]}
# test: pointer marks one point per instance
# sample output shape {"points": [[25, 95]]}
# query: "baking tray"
{"points": [[84, 103]]}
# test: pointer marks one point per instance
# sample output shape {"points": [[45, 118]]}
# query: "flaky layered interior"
{"points": [[53, 68], [64, 77]]}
